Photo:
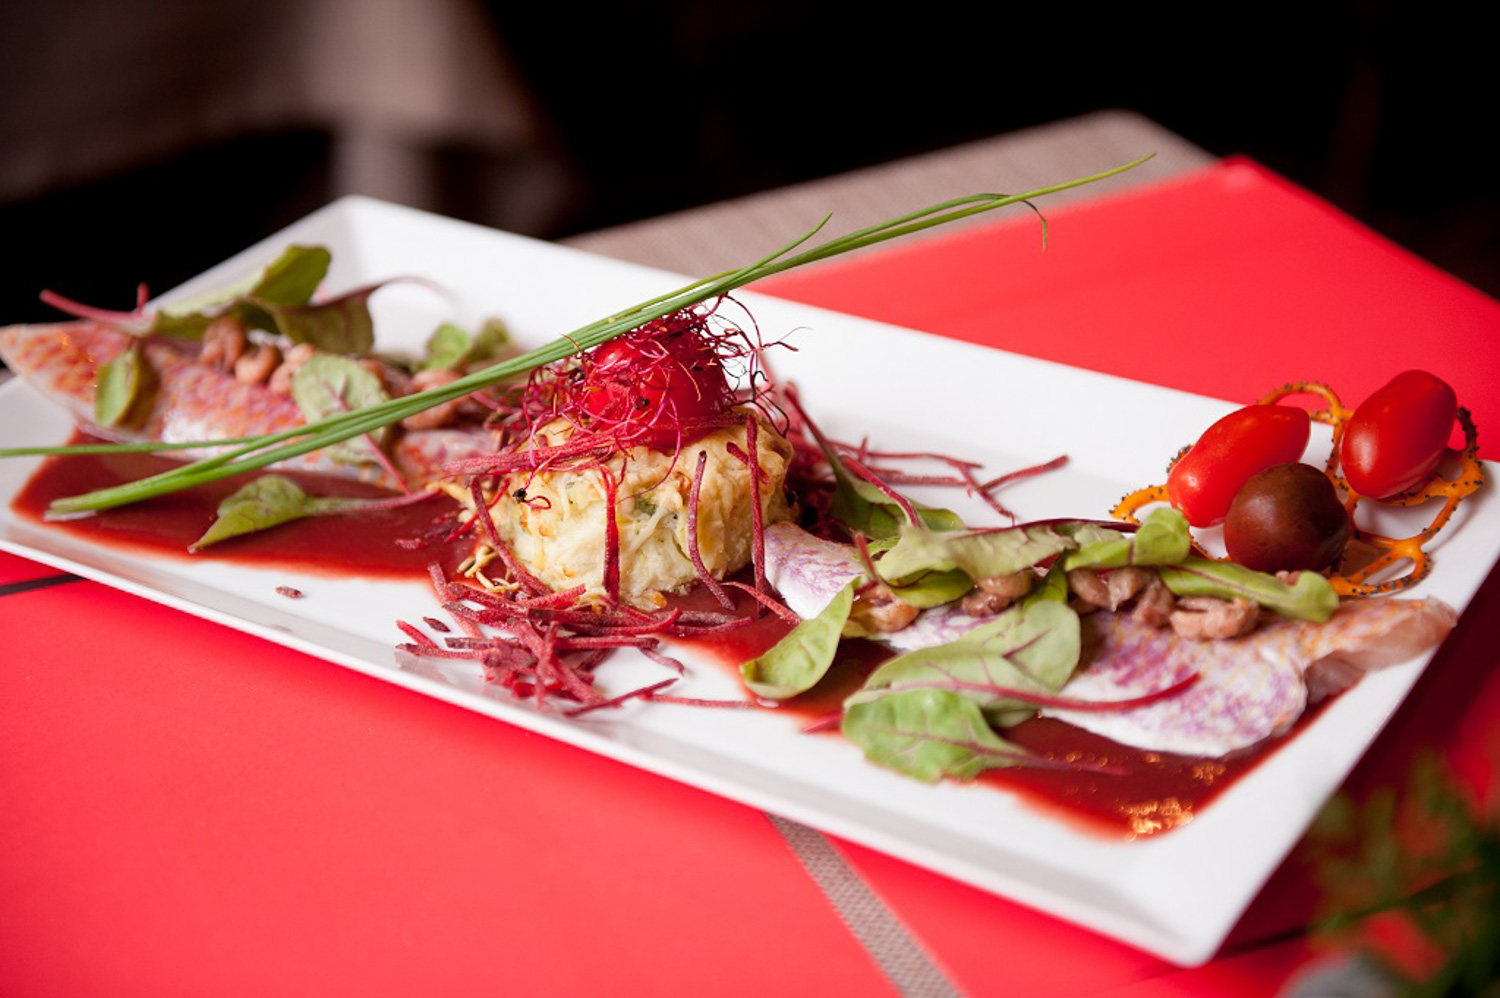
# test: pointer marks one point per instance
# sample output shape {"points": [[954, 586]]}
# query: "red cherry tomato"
{"points": [[1398, 435], [1204, 481], [655, 390]]}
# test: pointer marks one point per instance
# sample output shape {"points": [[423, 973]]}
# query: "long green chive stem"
{"points": [[258, 452], [146, 447]]}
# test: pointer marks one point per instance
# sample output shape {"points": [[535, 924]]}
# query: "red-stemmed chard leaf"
{"points": [[795, 663], [1029, 648], [272, 500], [1308, 597], [929, 734]]}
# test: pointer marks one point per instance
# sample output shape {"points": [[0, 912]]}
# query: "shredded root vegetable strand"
{"points": [[704, 576]]}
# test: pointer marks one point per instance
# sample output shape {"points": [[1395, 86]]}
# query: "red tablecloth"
{"points": [[185, 810]]}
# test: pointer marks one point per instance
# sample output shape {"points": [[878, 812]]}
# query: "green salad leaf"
{"points": [[977, 553], [931, 589], [1310, 597], [340, 325], [929, 734], [1030, 648], [125, 381], [1052, 589], [795, 663], [454, 348], [288, 281], [270, 501], [1161, 539], [329, 384]]}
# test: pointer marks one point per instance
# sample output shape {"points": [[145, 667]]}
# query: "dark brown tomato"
{"points": [[1286, 518]]}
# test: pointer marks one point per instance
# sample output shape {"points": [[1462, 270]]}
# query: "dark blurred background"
{"points": [[144, 140]]}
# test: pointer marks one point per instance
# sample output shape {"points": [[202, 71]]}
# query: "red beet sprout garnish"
{"points": [[890, 493], [986, 491], [809, 469], [662, 386]]}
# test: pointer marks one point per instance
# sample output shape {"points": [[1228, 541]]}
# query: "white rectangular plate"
{"points": [[1173, 895]]}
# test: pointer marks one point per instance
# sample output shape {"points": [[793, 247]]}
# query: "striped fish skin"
{"points": [[193, 401], [1249, 688], [808, 571]]}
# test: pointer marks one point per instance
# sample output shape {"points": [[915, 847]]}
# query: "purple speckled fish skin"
{"points": [[808, 571], [196, 402], [1249, 688]]}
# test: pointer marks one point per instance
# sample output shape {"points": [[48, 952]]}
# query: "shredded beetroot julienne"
{"points": [[873, 479], [768, 601], [518, 573], [704, 576], [663, 659], [482, 512], [757, 514], [415, 633], [643, 692], [611, 537], [557, 598], [699, 701], [546, 647], [438, 580], [1059, 702], [750, 458], [444, 530]]}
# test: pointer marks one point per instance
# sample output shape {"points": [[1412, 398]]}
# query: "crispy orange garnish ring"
{"points": [[1466, 479], [1350, 579]]}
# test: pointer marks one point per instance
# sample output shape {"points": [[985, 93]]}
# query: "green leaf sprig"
{"points": [[270, 501], [798, 661], [281, 446]]}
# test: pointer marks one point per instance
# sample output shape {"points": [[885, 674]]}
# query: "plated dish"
{"points": [[1171, 895]]}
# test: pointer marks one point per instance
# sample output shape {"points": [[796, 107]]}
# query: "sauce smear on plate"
{"points": [[369, 544]]}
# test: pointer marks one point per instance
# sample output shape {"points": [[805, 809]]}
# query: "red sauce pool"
{"points": [[364, 544], [1123, 792]]}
